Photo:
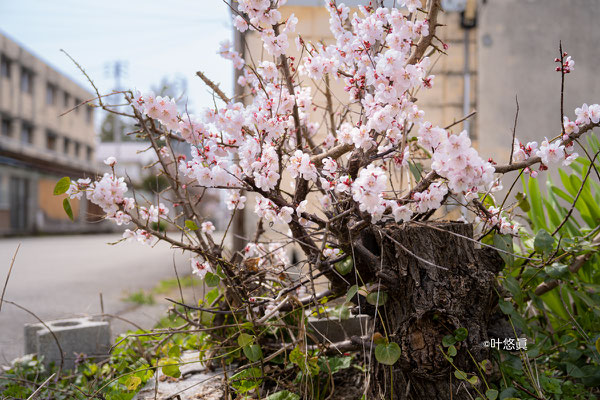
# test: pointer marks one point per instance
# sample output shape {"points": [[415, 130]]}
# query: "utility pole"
{"points": [[239, 219], [117, 70]]}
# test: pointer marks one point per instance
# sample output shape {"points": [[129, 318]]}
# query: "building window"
{"points": [[67, 146], [26, 80], [51, 94], [51, 140], [6, 127], [77, 102], [5, 65], [26, 133], [66, 99], [76, 149], [89, 116], [89, 152]]}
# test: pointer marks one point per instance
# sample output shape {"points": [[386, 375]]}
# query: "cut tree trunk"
{"points": [[454, 288]]}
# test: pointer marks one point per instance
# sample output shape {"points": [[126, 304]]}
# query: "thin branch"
{"points": [[502, 169], [8, 275], [34, 394], [514, 132], [566, 218], [425, 41], [62, 357], [461, 120], [577, 263], [214, 87]]}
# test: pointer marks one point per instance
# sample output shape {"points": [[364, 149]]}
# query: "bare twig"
{"points": [[466, 117], [34, 394], [214, 87], [8, 275], [514, 132], [62, 357]]}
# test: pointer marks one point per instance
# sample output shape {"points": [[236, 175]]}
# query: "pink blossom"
{"points": [[200, 268], [551, 152], [207, 227]]}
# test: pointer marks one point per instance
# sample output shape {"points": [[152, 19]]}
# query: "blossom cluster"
{"points": [[504, 224], [108, 192], [242, 148], [554, 151], [272, 254]]}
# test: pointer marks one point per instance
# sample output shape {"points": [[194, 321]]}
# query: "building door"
{"points": [[18, 199]]}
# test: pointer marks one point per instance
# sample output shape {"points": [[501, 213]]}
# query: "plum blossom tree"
{"points": [[369, 189]]}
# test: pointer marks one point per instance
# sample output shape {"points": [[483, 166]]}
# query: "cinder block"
{"points": [[334, 330], [75, 335]]}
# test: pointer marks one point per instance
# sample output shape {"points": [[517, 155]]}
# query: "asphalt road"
{"points": [[62, 276]]}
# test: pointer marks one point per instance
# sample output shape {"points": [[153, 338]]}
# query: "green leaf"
{"points": [[505, 243], [344, 266], [561, 193], [592, 375], [537, 209], [505, 306], [283, 395], [211, 279], [62, 185], [474, 380], [491, 394], [351, 292], [191, 225], [67, 207], [387, 354], [551, 385], [334, 364], [574, 371], [461, 334], [508, 393], [448, 340], [522, 202], [378, 298], [514, 288], [460, 375], [133, 382], [253, 352], [416, 169], [297, 356], [206, 318], [246, 380], [307, 365], [556, 270], [553, 210], [245, 339], [452, 351], [543, 242], [174, 351], [211, 296], [170, 367]]}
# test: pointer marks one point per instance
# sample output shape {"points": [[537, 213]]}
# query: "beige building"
{"points": [[37, 145], [454, 92]]}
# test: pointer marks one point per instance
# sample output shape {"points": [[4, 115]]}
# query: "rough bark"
{"points": [[426, 303]]}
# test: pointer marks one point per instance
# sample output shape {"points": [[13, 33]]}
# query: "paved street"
{"points": [[62, 276]]}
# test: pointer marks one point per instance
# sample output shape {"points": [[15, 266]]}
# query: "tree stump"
{"points": [[427, 302]]}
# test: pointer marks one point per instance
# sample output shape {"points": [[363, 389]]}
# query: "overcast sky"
{"points": [[172, 38]]}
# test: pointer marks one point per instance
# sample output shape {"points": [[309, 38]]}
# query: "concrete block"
{"points": [[334, 330], [76, 336]]}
